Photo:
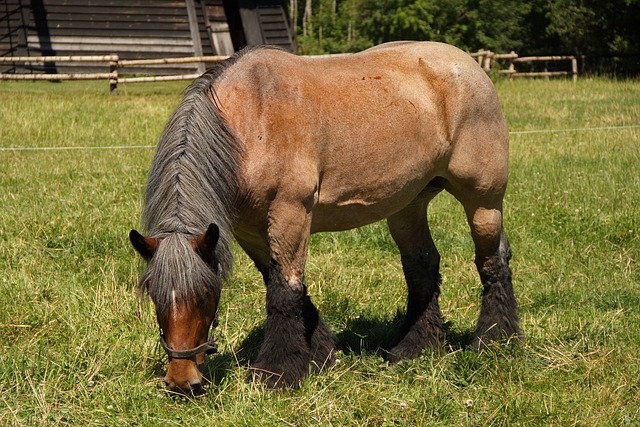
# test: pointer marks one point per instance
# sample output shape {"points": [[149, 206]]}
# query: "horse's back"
{"points": [[362, 135]]}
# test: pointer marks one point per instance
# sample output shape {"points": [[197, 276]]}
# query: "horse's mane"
{"points": [[193, 182]]}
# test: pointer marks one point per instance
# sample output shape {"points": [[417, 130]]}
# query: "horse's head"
{"points": [[182, 280]]}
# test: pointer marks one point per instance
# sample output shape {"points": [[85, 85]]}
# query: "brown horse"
{"points": [[269, 147]]}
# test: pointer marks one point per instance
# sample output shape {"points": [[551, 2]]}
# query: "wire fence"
{"points": [[128, 147]]}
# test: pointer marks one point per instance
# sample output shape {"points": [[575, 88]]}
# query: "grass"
{"points": [[79, 347]]}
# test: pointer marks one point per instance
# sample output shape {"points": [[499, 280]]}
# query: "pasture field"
{"points": [[79, 347]]}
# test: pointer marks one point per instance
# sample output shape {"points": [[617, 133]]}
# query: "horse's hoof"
{"points": [[275, 378], [402, 352], [481, 343], [412, 345], [392, 358]]}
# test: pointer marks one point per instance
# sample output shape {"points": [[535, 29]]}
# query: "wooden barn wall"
{"points": [[12, 28], [134, 29], [266, 22]]}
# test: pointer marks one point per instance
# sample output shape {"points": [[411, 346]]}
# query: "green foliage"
{"points": [[534, 26], [336, 29], [78, 346], [501, 25], [594, 26], [407, 20]]}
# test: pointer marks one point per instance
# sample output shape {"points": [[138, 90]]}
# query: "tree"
{"points": [[436, 20], [593, 26], [500, 25], [332, 27], [307, 27], [528, 26]]}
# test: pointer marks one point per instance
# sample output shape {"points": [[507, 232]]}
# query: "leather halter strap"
{"points": [[209, 347]]}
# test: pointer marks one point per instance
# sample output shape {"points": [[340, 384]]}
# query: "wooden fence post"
{"points": [[480, 57], [487, 61], [113, 69]]}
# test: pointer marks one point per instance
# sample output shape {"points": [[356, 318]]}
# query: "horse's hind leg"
{"points": [[498, 314], [477, 178], [422, 327]]}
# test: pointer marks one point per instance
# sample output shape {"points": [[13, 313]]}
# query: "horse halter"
{"points": [[210, 347]]}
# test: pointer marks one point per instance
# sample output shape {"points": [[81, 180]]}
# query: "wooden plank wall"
{"points": [[266, 22], [134, 29], [12, 29]]}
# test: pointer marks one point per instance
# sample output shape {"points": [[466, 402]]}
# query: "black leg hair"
{"points": [[498, 313], [294, 335], [422, 327]]}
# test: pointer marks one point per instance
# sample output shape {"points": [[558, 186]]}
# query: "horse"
{"points": [[268, 147]]}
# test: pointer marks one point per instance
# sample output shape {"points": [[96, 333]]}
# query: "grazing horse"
{"points": [[269, 147]]}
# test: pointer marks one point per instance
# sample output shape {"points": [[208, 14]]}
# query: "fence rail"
{"points": [[487, 60], [76, 58], [114, 63]]}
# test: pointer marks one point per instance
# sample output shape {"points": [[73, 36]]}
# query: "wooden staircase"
{"points": [[266, 22]]}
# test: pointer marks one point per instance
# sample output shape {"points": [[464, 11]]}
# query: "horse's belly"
{"points": [[339, 218], [357, 210]]}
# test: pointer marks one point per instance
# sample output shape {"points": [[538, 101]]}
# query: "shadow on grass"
{"points": [[218, 366], [365, 335], [361, 335]]}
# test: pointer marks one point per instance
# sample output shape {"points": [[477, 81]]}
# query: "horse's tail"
{"points": [[193, 180]]}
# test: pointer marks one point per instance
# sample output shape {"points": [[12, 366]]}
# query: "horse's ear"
{"points": [[205, 244], [146, 246]]}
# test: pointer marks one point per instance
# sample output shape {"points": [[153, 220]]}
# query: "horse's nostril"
{"points": [[194, 388]]}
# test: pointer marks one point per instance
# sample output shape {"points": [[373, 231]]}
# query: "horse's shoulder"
{"points": [[434, 54], [261, 67], [258, 59]]}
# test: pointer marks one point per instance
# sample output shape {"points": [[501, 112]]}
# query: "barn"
{"points": [[137, 29]]}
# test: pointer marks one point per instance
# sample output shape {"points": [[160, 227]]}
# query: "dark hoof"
{"points": [[416, 340], [402, 352], [481, 343], [276, 378]]}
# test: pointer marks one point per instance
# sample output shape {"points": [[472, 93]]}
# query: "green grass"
{"points": [[79, 347]]}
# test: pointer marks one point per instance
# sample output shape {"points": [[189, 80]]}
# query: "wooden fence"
{"points": [[487, 60], [113, 61]]}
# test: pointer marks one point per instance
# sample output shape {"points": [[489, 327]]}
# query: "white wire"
{"points": [[107, 147], [126, 147], [524, 132]]}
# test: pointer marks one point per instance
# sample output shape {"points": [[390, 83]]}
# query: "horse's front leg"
{"points": [[294, 333]]}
